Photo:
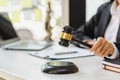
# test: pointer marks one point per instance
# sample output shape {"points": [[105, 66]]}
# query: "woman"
{"points": [[104, 26]]}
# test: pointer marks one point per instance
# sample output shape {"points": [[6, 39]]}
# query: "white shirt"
{"points": [[112, 29]]}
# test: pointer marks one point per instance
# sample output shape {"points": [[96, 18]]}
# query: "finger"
{"points": [[111, 48], [106, 53], [106, 47], [97, 44], [101, 47]]}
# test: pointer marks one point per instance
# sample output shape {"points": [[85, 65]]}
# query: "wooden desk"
{"points": [[15, 65]]}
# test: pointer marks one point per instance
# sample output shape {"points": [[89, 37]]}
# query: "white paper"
{"points": [[52, 51]]}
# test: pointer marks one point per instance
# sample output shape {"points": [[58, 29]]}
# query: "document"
{"points": [[57, 52]]}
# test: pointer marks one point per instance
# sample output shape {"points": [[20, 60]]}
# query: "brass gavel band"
{"points": [[66, 36]]}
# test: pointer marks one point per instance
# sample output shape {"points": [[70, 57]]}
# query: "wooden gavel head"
{"points": [[66, 36]]}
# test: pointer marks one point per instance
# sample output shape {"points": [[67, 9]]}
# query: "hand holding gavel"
{"points": [[101, 47]]}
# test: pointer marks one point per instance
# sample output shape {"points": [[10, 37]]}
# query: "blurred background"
{"points": [[36, 19]]}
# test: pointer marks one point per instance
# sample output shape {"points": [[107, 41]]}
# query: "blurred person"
{"points": [[105, 27]]}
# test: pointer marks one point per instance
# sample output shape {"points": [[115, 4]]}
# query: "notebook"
{"points": [[111, 64], [9, 39]]}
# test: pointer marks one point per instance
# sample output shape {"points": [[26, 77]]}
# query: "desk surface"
{"points": [[27, 67]]}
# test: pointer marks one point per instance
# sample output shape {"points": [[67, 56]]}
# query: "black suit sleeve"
{"points": [[86, 31]]}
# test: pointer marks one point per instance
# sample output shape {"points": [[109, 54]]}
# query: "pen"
{"points": [[62, 53]]}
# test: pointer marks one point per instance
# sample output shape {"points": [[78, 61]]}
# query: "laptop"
{"points": [[9, 39]]}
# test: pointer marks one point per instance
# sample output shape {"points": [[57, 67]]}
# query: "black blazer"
{"points": [[97, 25]]}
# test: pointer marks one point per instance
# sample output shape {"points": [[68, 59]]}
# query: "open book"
{"points": [[111, 64]]}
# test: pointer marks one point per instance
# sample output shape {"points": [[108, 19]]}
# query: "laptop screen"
{"points": [[7, 32]]}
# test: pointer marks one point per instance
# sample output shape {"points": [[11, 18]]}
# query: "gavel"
{"points": [[67, 37]]}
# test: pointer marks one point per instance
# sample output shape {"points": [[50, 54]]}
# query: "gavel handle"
{"points": [[81, 42]]}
